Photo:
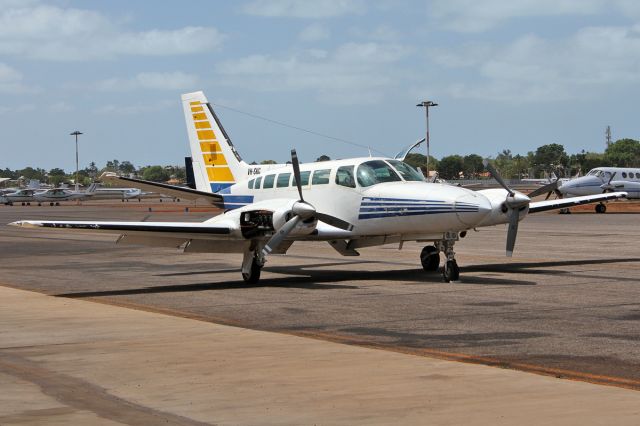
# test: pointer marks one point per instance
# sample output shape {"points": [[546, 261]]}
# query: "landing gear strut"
{"points": [[450, 271], [252, 264], [601, 208]]}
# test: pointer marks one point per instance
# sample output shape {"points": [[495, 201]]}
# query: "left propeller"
{"points": [[301, 210], [514, 202]]}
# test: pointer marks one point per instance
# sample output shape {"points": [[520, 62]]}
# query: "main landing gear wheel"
{"points": [[430, 258], [450, 272], [253, 275], [601, 208]]}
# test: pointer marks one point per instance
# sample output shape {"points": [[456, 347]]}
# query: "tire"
{"points": [[254, 275], [430, 258], [601, 208], [451, 272]]}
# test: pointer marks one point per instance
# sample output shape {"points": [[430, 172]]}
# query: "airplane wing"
{"points": [[541, 206], [165, 229], [170, 190]]}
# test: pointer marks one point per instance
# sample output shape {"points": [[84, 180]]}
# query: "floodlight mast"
{"points": [[426, 104], [76, 134]]}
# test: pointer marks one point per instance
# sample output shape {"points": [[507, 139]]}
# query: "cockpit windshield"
{"points": [[407, 172], [595, 172], [375, 171]]}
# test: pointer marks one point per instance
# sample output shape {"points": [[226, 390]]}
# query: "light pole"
{"points": [[76, 134], [426, 105]]}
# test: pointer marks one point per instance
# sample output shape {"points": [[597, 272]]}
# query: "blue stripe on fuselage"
{"points": [[236, 201]]}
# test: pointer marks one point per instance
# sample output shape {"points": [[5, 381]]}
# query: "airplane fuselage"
{"points": [[385, 202], [600, 179]]}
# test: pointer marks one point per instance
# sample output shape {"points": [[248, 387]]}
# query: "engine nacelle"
{"points": [[498, 214], [304, 227]]}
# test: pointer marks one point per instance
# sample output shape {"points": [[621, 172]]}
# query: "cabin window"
{"points": [[624, 175], [257, 184], [320, 177], [304, 179], [344, 177], [268, 181], [406, 171], [283, 180], [376, 171], [251, 183]]}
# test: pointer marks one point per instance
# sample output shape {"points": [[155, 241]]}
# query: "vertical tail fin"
{"points": [[216, 164]]}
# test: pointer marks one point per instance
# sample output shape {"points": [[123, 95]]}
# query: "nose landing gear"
{"points": [[430, 257], [252, 264]]}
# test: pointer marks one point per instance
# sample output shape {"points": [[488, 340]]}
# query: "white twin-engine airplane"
{"points": [[351, 204]]}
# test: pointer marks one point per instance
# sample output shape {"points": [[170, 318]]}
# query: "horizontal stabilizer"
{"points": [[163, 188]]}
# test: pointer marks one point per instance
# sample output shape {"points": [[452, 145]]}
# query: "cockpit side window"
{"points": [[376, 171], [283, 180], [344, 177], [257, 184], [407, 172], [251, 183]]}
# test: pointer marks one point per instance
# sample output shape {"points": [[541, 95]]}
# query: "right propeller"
{"points": [[513, 203], [301, 210], [607, 187]]}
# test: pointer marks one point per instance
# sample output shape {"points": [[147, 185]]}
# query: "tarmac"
{"points": [[179, 339], [69, 361]]}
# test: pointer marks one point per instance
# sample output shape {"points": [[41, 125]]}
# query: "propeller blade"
{"points": [[296, 172], [497, 176], [513, 231], [550, 187], [282, 233], [607, 187], [334, 221], [548, 195]]}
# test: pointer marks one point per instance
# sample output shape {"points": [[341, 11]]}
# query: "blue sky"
{"points": [[507, 75]]}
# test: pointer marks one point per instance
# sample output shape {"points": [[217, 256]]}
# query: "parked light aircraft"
{"points": [[23, 196], [597, 181], [351, 204]]}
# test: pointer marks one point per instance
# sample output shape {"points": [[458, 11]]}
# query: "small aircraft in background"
{"points": [[23, 196], [598, 181], [351, 204]]}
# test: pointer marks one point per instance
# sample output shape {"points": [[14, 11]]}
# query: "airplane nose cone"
{"points": [[471, 208]]}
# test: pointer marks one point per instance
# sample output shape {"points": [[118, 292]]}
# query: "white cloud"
{"points": [[352, 74], [67, 34], [61, 107], [477, 16], [11, 81], [136, 109], [593, 60], [17, 108], [303, 8], [314, 32], [150, 80]]}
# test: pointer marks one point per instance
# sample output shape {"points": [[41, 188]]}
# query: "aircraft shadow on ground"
{"points": [[535, 267], [301, 278]]}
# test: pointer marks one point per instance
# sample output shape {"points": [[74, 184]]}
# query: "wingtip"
{"points": [[24, 224]]}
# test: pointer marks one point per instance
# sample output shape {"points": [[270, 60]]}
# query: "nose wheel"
{"points": [[601, 208], [450, 271], [430, 257], [252, 264]]}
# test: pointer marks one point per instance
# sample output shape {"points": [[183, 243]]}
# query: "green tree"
{"points": [[156, 174], [113, 166], [550, 158], [57, 176], [323, 158], [472, 165], [92, 170], [450, 167], [126, 167], [420, 161], [624, 153], [7, 173], [31, 173], [268, 162]]}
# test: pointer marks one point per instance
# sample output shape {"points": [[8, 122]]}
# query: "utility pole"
{"points": [[76, 134], [608, 135], [426, 105]]}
